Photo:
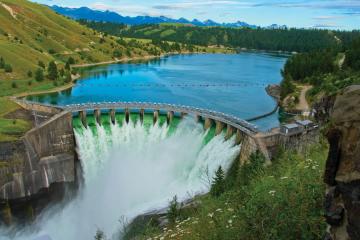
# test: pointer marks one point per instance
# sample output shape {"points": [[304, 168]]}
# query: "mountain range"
{"points": [[108, 16]]}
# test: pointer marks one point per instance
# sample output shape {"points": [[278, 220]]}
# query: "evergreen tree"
{"points": [[71, 60], [8, 68], [39, 75], [29, 73], [67, 66], [100, 235], [68, 77], [41, 64], [52, 71], [2, 62], [173, 211], [218, 184]]}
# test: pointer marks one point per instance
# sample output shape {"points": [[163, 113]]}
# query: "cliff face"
{"points": [[45, 155], [342, 203]]}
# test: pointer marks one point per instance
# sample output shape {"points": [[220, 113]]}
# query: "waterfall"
{"points": [[129, 169]]}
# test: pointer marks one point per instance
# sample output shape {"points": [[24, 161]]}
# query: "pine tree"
{"points": [[173, 211], [39, 75], [52, 71], [41, 64], [68, 77], [8, 68], [29, 73], [2, 62], [100, 235], [218, 184]]}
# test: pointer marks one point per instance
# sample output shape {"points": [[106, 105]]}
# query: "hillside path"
{"points": [[303, 105]]}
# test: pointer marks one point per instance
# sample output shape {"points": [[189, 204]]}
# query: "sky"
{"points": [[331, 14]]}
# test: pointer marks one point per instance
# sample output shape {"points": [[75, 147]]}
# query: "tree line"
{"points": [[298, 40]]}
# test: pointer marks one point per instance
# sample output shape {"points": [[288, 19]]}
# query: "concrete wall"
{"points": [[45, 155]]}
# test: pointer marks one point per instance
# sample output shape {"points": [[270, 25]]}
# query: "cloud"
{"points": [[325, 17], [198, 4], [332, 26]]}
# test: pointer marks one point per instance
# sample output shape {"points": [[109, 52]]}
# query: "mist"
{"points": [[129, 170]]}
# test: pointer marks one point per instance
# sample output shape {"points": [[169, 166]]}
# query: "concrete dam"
{"points": [[162, 149]]}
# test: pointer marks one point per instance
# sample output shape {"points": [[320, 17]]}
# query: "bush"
{"points": [[68, 77], [41, 64], [52, 51], [8, 68], [29, 82], [29, 73], [14, 85], [39, 75], [117, 53]]}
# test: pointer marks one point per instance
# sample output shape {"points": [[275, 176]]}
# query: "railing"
{"points": [[217, 116]]}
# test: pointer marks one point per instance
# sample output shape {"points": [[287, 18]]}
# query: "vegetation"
{"points": [[328, 71], [299, 40], [283, 201]]}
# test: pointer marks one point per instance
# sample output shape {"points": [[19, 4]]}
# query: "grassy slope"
{"points": [[283, 201]]}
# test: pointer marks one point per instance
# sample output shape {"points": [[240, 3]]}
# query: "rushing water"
{"points": [[129, 169], [233, 84]]}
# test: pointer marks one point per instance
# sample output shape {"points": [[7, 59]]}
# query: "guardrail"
{"points": [[231, 120], [214, 115]]}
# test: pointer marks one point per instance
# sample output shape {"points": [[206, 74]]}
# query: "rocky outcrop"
{"points": [[342, 175], [45, 155]]}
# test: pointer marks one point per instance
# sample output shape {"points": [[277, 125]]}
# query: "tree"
{"points": [[29, 73], [39, 75], [100, 235], [173, 212], [218, 184], [71, 60], [62, 72], [8, 68], [41, 64], [52, 71], [68, 77], [117, 53], [67, 66], [2, 62]]}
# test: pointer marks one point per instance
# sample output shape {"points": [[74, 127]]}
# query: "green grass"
{"points": [[10, 129], [280, 202]]}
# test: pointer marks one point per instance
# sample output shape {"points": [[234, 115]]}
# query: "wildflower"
{"points": [[219, 210], [211, 215], [230, 209], [272, 192], [230, 221], [284, 178]]}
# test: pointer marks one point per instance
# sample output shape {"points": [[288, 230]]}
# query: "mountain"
{"points": [[108, 16]]}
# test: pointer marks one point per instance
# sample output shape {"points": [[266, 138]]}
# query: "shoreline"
{"points": [[123, 60]]}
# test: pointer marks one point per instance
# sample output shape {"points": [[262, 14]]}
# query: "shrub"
{"points": [[29, 73], [41, 64], [14, 85], [39, 75], [29, 82], [68, 77], [8, 68]]}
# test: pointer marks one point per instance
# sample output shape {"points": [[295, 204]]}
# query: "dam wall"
{"points": [[45, 155]]}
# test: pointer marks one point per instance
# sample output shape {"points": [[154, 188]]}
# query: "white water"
{"points": [[130, 170]]}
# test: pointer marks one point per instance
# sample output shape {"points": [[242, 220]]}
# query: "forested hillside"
{"points": [[327, 70], [299, 40]]}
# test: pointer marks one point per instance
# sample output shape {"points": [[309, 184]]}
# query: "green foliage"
{"points": [[39, 75], [30, 74], [71, 60], [41, 64], [14, 85], [300, 40], [174, 211], [218, 183], [100, 235], [52, 71], [2, 62], [281, 201], [352, 59], [68, 77], [117, 53], [8, 68]]}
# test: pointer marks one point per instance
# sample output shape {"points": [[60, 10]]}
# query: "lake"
{"points": [[233, 84]]}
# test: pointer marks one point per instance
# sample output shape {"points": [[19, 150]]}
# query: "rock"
{"points": [[274, 90], [342, 202]]}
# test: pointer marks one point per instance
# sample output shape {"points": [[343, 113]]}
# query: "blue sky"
{"points": [[332, 14]]}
